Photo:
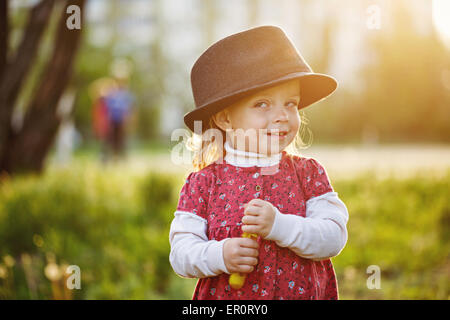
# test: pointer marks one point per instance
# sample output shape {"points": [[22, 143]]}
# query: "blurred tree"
{"points": [[154, 82], [328, 32], [25, 149], [209, 16], [253, 7], [406, 98], [3, 34], [148, 81], [93, 62], [404, 94]]}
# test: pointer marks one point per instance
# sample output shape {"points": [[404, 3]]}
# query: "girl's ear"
{"points": [[222, 120]]}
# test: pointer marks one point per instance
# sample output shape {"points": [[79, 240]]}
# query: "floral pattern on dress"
{"points": [[218, 193]]}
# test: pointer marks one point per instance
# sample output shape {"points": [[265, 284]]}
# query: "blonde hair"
{"points": [[207, 149]]}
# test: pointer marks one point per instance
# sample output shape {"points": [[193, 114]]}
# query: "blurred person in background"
{"points": [[100, 117], [118, 103]]}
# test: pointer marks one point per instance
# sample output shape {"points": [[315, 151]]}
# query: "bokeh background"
{"points": [[78, 189]]}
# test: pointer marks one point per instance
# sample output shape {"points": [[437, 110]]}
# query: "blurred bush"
{"points": [[401, 226], [114, 225]]}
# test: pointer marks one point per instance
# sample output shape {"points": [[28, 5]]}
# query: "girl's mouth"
{"points": [[277, 134]]}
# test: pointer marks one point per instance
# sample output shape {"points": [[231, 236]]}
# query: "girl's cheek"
{"points": [[260, 121]]}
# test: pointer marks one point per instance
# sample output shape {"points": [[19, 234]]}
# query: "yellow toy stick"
{"points": [[237, 280]]}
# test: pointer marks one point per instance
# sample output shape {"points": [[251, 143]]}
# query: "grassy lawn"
{"points": [[113, 222]]}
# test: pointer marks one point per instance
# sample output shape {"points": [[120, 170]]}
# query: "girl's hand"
{"points": [[240, 255], [259, 216]]}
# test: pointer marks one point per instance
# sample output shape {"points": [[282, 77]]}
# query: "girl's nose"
{"points": [[281, 114]]}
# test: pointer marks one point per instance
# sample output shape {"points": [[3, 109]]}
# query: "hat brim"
{"points": [[314, 87]]}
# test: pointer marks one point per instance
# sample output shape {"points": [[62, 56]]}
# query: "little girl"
{"points": [[248, 89]]}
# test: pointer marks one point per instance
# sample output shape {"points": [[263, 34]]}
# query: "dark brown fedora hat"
{"points": [[246, 62]]}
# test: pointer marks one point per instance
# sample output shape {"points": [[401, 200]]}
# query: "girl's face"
{"points": [[265, 122]]}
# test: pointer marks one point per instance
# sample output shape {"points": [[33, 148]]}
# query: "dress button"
{"points": [[258, 187]]}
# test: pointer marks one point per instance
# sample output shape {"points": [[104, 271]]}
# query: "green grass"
{"points": [[113, 222], [402, 226]]}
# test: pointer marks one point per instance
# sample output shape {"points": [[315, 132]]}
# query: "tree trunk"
{"points": [[27, 149], [4, 35], [15, 71]]}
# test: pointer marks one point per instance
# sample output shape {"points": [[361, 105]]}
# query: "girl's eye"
{"points": [[261, 104], [292, 104]]}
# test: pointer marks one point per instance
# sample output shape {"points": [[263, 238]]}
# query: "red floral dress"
{"points": [[218, 193]]}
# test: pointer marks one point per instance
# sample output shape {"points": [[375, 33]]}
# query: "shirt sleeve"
{"points": [[194, 195], [322, 233], [192, 254], [314, 178]]}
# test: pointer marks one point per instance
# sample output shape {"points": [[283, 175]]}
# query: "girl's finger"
{"points": [[250, 228], [250, 219], [248, 252], [252, 210], [243, 268], [258, 202], [249, 261], [248, 243]]}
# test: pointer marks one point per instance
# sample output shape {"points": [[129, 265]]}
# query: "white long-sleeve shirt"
{"points": [[320, 235]]}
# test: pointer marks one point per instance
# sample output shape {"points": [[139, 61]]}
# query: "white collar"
{"points": [[241, 158]]}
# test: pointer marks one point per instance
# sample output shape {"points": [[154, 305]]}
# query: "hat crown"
{"points": [[246, 62], [243, 60]]}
